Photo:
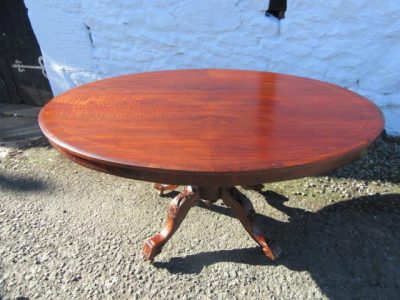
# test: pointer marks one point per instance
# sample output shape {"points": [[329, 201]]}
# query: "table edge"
{"points": [[215, 178]]}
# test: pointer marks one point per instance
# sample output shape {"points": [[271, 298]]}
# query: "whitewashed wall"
{"points": [[353, 43]]}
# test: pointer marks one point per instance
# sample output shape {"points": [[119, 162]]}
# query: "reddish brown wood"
{"points": [[244, 210], [177, 211], [164, 187], [181, 204], [211, 127]]}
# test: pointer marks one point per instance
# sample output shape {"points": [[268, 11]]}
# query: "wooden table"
{"points": [[210, 130]]}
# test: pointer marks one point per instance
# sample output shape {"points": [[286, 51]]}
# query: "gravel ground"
{"points": [[67, 232]]}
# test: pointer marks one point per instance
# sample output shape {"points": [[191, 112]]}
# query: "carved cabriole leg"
{"points": [[177, 211], [164, 187], [244, 210]]}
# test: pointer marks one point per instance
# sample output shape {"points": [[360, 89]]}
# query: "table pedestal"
{"points": [[190, 196]]}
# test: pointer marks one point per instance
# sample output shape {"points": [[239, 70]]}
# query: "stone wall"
{"points": [[353, 43]]}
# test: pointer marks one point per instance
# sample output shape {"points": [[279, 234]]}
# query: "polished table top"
{"points": [[211, 126]]}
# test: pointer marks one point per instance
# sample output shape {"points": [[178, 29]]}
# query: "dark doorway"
{"points": [[23, 78]]}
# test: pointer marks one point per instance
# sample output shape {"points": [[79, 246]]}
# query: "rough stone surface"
{"points": [[18, 122], [67, 232], [350, 43]]}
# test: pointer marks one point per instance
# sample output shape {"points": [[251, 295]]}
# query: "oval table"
{"points": [[210, 129]]}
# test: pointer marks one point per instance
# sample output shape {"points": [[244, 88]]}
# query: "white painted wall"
{"points": [[353, 43]]}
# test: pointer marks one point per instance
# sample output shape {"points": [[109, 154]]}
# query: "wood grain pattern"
{"points": [[211, 127]]}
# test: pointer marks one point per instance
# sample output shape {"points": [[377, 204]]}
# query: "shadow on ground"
{"points": [[21, 184], [25, 144], [351, 248]]}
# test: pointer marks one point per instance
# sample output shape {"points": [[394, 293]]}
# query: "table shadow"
{"points": [[350, 248], [25, 143], [21, 184]]}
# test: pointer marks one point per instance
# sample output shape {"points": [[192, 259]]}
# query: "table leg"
{"points": [[177, 211], [164, 187], [244, 210]]}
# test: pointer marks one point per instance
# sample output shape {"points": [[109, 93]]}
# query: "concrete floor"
{"points": [[67, 232], [18, 121]]}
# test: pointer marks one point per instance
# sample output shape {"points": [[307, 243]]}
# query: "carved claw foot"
{"points": [[244, 210], [273, 251], [164, 187], [150, 248], [177, 211]]}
